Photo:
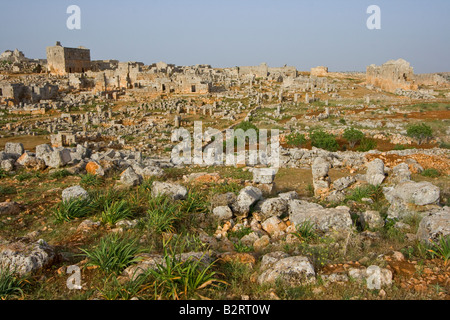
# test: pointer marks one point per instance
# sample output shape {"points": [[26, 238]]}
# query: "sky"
{"points": [[228, 33]]}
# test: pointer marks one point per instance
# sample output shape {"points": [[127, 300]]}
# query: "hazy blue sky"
{"points": [[227, 33]]}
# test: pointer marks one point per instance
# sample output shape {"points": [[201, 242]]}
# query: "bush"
{"points": [[116, 211], [295, 139], [60, 174], [442, 248], [72, 209], [368, 191], [353, 136], [10, 284], [421, 132], [113, 253], [162, 215], [431, 173], [175, 279], [367, 144], [306, 231], [91, 180], [321, 139]]}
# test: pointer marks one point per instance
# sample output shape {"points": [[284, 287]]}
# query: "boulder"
{"points": [[28, 160], [246, 198], [15, 149], [43, 151], [434, 225], [409, 197], [175, 191], [375, 172], [25, 258], [222, 213], [401, 173], [273, 226], [324, 219], [224, 199], [263, 175], [294, 271], [58, 158], [343, 183], [130, 178], [273, 207], [94, 168], [9, 208], [321, 180], [371, 219], [7, 165], [374, 276], [291, 195], [75, 192]]}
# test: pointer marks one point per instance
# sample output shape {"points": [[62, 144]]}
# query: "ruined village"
{"points": [[358, 208]]}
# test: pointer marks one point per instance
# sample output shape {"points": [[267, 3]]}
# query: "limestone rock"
{"points": [[375, 172], [222, 213], [130, 178], [408, 197], [294, 271], [246, 198], [273, 207], [26, 258], [73, 193], [15, 149], [372, 219], [324, 219], [9, 208], [175, 191], [434, 225]]}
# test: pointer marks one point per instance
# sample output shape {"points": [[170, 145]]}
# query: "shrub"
{"points": [[367, 144], [162, 215], [240, 247], [431, 173], [72, 209], [421, 132], [60, 174], [306, 231], [442, 248], [91, 180], [321, 139], [177, 279], [113, 253], [295, 139], [353, 136], [116, 211], [369, 191], [11, 285]]}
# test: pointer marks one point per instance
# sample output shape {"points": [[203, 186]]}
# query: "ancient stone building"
{"points": [[63, 139], [61, 60], [319, 71], [393, 75], [15, 93]]}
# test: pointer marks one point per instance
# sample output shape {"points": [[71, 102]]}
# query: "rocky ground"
{"points": [[340, 221]]}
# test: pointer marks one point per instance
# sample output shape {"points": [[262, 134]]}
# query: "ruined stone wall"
{"points": [[319, 71], [18, 92], [61, 60], [391, 76], [430, 79], [259, 71]]}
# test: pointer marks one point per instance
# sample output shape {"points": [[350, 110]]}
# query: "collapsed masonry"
{"points": [[399, 75]]}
